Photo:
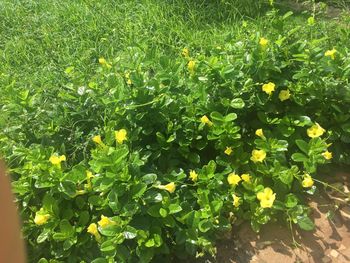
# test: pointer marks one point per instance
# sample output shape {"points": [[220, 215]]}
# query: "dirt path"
{"points": [[329, 242]]}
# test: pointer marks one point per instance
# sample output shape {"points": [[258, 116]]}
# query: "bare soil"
{"points": [[329, 242]]}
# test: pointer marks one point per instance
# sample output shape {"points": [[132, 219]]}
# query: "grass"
{"points": [[40, 39]]}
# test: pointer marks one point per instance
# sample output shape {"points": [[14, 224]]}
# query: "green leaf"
{"points": [[194, 157], [217, 116], [150, 243], [174, 208], [110, 231], [216, 206], [95, 200], [303, 145], [130, 232], [99, 260], [107, 246], [145, 254], [149, 178], [299, 157], [152, 196], [255, 225], [138, 190], [237, 103], [305, 223], [68, 187], [66, 228], [286, 177], [43, 236], [163, 212], [230, 117], [302, 121], [291, 201], [59, 236], [205, 225], [210, 168]]}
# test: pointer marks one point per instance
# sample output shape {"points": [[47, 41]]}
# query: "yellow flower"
{"points": [[120, 136], [284, 95], [105, 221], [327, 155], [331, 53], [191, 64], [185, 52], [97, 139], [104, 62], [233, 179], [89, 175], [266, 197], [260, 133], [228, 151], [56, 160], [263, 42], [246, 178], [92, 229], [269, 87], [170, 187], [315, 131], [193, 175], [236, 200], [258, 156], [40, 218], [205, 120], [307, 181], [129, 82]]}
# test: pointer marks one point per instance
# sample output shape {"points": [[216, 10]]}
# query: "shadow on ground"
{"points": [[329, 242]]}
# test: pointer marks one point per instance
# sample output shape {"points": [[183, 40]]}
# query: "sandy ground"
{"points": [[329, 242]]}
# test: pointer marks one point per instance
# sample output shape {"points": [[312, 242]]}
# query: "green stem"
{"points": [[141, 105], [330, 186], [291, 232]]}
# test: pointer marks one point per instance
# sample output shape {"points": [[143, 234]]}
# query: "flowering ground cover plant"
{"points": [[151, 158]]}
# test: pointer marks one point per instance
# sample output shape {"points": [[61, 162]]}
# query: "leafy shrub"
{"points": [[154, 157]]}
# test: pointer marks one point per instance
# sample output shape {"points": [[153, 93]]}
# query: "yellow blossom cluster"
{"points": [[307, 181], [185, 52], [104, 62], [331, 53], [266, 197], [258, 156], [233, 178], [228, 151], [191, 66], [205, 120], [263, 42], [170, 187], [260, 133], [315, 131], [193, 176], [236, 200], [120, 136], [41, 217], [103, 223], [56, 160]]}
